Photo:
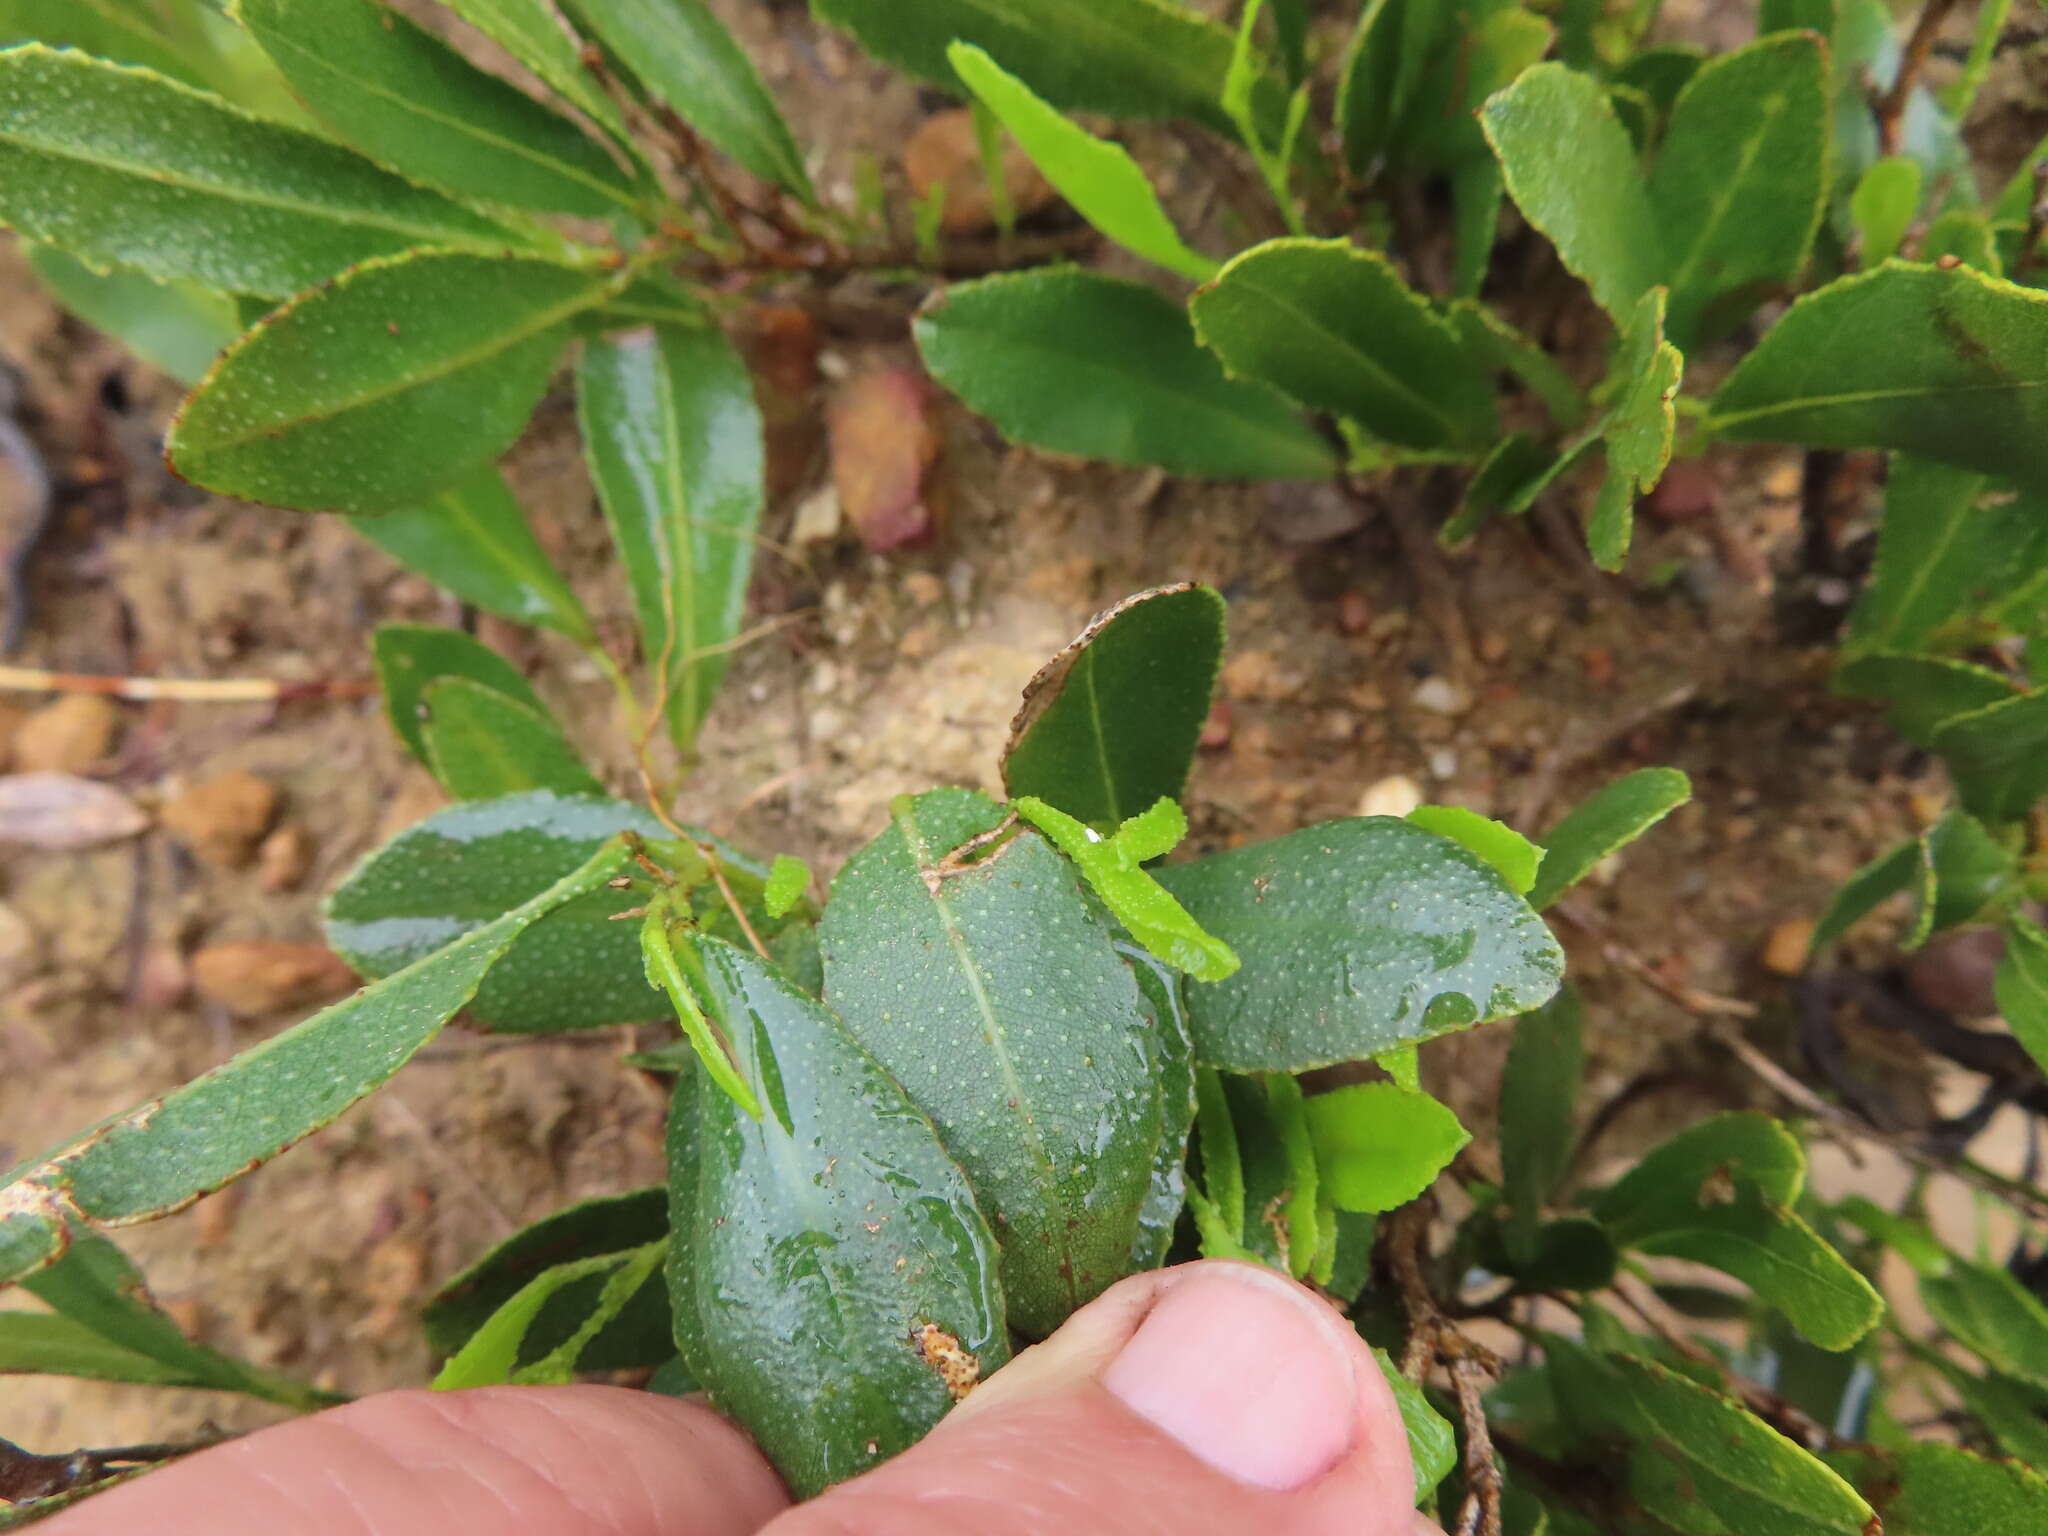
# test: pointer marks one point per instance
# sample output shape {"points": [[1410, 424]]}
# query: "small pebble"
{"points": [[67, 735], [1785, 951], [1440, 696], [222, 819], [1395, 795]]}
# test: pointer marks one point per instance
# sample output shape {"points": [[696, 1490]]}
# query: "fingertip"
{"points": [[549, 1461]]}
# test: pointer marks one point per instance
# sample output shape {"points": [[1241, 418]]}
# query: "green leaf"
{"points": [[1934, 547], [398, 379], [1662, 72], [107, 1327], [1988, 1312], [674, 442], [1382, 66], [159, 1157], [1114, 868], [1222, 1160], [177, 327], [1965, 235], [474, 540], [609, 1224], [533, 32], [1741, 179], [492, 1354], [1538, 1089], [1609, 819], [576, 969], [1572, 171], [1432, 1443], [1676, 1180], [125, 168], [788, 878], [832, 1247], [409, 101], [2015, 1414], [1884, 205], [1510, 853], [1705, 1458], [1638, 427], [1299, 1207], [1379, 1145], [1356, 936], [683, 54], [1101, 368], [1944, 1490], [482, 745], [1946, 363], [2021, 985], [1909, 1239], [991, 992], [38, 1344], [410, 657], [1971, 869], [1863, 892], [1335, 328], [1100, 179], [664, 969], [1077, 741], [1481, 46], [1769, 1248], [1921, 693], [1998, 755], [116, 30], [1125, 58]]}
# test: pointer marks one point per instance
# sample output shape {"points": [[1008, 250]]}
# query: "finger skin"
{"points": [[1045, 1447], [536, 1461]]}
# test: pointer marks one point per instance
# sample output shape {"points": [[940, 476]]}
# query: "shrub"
{"points": [[373, 297]]}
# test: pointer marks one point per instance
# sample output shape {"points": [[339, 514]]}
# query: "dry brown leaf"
{"points": [[883, 446]]}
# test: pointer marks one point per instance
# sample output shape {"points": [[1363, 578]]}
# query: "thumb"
{"points": [[1217, 1397]]}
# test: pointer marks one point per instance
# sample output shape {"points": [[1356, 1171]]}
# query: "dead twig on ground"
{"points": [[184, 690]]}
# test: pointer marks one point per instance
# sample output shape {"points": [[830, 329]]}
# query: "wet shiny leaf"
{"points": [[829, 1258], [158, 1157], [993, 994], [674, 442], [1357, 936], [409, 101], [576, 969], [388, 385], [122, 167], [1152, 657]]}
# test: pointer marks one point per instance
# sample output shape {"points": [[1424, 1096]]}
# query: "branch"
{"points": [[1891, 106], [25, 1476]]}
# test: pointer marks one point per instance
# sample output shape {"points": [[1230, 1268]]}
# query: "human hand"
{"points": [[1215, 1398]]}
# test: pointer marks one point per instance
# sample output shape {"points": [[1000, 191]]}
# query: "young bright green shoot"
{"points": [[1114, 869], [665, 974]]}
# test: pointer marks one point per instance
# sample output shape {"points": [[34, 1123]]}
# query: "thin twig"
{"points": [[1692, 999], [1890, 107], [186, 690]]}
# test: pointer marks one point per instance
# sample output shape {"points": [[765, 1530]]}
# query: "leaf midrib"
{"points": [[997, 1034], [1724, 198], [342, 214], [1389, 381], [1726, 419], [1243, 425]]}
